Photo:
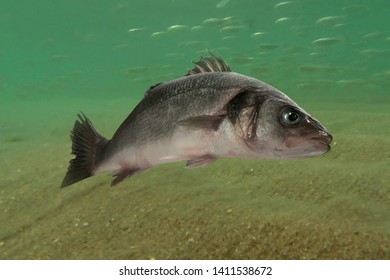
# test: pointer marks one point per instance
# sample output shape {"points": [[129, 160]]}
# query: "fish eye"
{"points": [[290, 116]]}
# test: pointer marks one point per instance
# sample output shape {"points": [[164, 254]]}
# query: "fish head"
{"points": [[288, 132], [274, 126]]}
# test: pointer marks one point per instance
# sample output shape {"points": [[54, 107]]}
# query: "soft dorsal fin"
{"points": [[214, 63]]}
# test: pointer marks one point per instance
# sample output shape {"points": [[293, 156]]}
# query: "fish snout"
{"points": [[323, 136]]}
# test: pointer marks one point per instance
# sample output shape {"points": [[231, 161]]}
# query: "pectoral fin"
{"points": [[200, 162], [203, 122]]}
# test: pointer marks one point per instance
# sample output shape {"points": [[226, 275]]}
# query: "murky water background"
{"points": [[60, 57]]}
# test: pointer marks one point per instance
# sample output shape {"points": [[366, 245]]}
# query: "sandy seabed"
{"points": [[332, 207]]}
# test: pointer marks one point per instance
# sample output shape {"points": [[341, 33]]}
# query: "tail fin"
{"points": [[86, 142]]}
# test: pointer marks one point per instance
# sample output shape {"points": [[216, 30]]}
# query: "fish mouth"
{"points": [[321, 137], [318, 143], [324, 139], [311, 145]]}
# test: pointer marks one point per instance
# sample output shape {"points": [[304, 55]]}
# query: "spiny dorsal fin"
{"points": [[152, 87], [214, 63]]}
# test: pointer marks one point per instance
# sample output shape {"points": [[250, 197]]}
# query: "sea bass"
{"points": [[208, 114]]}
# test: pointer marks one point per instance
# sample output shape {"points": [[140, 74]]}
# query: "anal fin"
{"points": [[200, 162]]}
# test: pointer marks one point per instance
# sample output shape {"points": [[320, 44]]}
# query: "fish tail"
{"points": [[86, 146]]}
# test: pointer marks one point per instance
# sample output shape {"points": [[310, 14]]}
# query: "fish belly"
{"points": [[182, 145]]}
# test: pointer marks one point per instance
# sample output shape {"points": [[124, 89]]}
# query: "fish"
{"points": [[135, 70], [213, 21], [158, 34], [196, 28], [177, 27], [282, 20], [135, 29], [329, 19], [326, 41], [231, 28], [258, 34], [222, 4], [228, 38], [312, 68], [374, 52], [121, 46], [217, 21], [267, 47], [212, 112], [372, 35], [283, 4], [358, 9]]}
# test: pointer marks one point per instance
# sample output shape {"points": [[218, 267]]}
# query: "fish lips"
{"points": [[314, 144], [324, 138]]}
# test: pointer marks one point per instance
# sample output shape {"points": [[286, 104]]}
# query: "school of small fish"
{"points": [[319, 38]]}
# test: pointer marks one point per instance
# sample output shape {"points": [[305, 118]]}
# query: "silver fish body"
{"points": [[211, 113]]}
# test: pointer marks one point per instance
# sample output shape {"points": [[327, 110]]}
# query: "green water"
{"points": [[60, 57]]}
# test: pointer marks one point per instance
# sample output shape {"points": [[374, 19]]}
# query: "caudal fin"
{"points": [[86, 143]]}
